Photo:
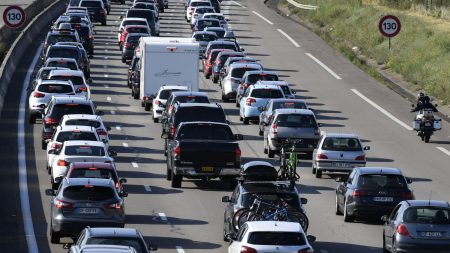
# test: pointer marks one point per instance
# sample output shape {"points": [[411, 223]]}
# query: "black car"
{"points": [[70, 51], [149, 15], [56, 36], [96, 9], [87, 37], [136, 82], [216, 5], [371, 191], [261, 183], [129, 45], [131, 70], [179, 97]]}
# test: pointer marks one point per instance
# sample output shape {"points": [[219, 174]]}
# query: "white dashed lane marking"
{"points": [[135, 165], [147, 188], [125, 145], [324, 66], [444, 150], [113, 112], [162, 216], [288, 37], [263, 18]]}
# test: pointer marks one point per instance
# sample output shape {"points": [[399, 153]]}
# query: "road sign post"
{"points": [[14, 16], [389, 26]]}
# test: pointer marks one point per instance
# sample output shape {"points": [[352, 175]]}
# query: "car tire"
{"points": [[169, 171], [347, 217], [176, 181], [265, 148], [123, 60], [49, 169], [135, 95], [54, 185], [314, 170], [142, 104], [54, 236], [246, 121], [270, 152], [155, 120], [394, 246], [43, 145], [318, 173], [147, 106], [260, 133], [32, 118], [166, 6], [214, 79], [224, 233], [337, 210], [104, 23], [237, 104]]}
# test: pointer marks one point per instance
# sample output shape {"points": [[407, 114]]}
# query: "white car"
{"points": [[77, 151], [271, 236], [233, 78], [87, 120], [43, 92], [219, 16], [76, 77], [159, 102], [254, 97], [193, 4], [68, 133], [288, 92], [131, 21], [198, 12]]}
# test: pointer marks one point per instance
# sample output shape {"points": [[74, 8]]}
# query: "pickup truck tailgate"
{"points": [[208, 153]]}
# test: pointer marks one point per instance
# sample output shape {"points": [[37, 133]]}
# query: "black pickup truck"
{"points": [[203, 150]]}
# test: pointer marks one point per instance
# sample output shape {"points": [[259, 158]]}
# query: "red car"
{"points": [[132, 29], [210, 59]]}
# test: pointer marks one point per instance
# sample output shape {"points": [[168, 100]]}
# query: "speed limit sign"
{"points": [[14, 16], [389, 26]]}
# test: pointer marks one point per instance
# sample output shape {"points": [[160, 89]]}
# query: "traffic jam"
{"points": [[265, 210]]}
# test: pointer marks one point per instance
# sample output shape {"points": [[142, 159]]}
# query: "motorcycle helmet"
{"points": [[420, 96]]}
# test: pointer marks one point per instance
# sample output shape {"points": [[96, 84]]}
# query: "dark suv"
{"points": [[60, 106], [96, 9], [69, 51], [56, 36]]}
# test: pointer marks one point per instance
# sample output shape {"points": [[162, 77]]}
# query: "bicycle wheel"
{"points": [[256, 217], [237, 215], [244, 217], [299, 218]]}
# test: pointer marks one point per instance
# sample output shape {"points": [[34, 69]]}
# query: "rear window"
{"points": [[76, 80], [191, 99], [93, 173], [219, 33], [385, 181], [276, 238], [341, 144], [199, 114], [239, 72], [137, 30], [266, 93], [63, 53], [219, 17], [60, 110], [427, 215], [205, 37], [195, 4], [205, 132], [97, 4], [133, 39], [76, 150], [55, 88], [127, 241], [203, 10], [72, 136], [296, 120], [94, 193], [83, 122], [63, 64], [208, 23], [165, 94], [52, 39], [293, 105], [252, 79]]}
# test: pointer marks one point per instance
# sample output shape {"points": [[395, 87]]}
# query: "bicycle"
{"points": [[288, 167]]}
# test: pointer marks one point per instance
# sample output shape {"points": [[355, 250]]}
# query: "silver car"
{"points": [[338, 152], [279, 103], [294, 124]]}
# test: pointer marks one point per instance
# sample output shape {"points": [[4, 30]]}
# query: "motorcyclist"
{"points": [[423, 102]]}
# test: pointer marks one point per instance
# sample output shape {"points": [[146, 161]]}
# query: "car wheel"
{"points": [[214, 79], [176, 180], [270, 152], [237, 103], [123, 60], [265, 148], [32, 118], [135, 94], [318, 173], [169, 171], [166, 6], [347, 217], [206, 75], [225, 233], [147, 106], [246, 121], [54, 236], [104, 23], [155, 120], [260, 132], [54, 185], [43, 145], [314, 170], [394, 246], [49, 169], [337, 210]]}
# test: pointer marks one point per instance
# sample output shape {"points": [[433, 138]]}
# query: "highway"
{"points": [[190, 219]]}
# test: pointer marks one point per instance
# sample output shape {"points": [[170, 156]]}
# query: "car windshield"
{"points": [[239, 72], [292, 105], [205, 132], [274, 198], [165, 94], [60, 110], [91, 4], [252, 79], [189, 114], [63, 53], [296, 120], [266, 93], [341, 144], [76, 135], [191, 99], [205, 37], [53, 39], [386, 181], [76, 80], [203, 10], [84, 150], [427, 215], [63, 64], [89, 192], [276, 238], [126, 241], [83, 122], [92, 173], [55, 88]]}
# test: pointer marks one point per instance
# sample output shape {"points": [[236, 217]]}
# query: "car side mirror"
{"points": [[242, 49], [226, 199], [238, 137], [304, 201], [105, 141], [230, 236], [108, 128], [340, 179], [100, 113], [311, 238], [152, 247], [320, 124], [123, 180], [67, 245], [367, 148], [112, 153], [409, 180], [50, 192], [52, 152], [385, 218]]}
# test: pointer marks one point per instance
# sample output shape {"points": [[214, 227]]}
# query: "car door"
{"points": [[390, 226], [229, 209], [343, 188], [263, 115]]}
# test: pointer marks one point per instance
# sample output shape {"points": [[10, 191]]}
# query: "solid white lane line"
{"points": [[289, 38], [180, 249], [238, 4], [135, 165], [147, 188], [444, 150], [118, 128], [379, 108], [21, 158], [113, 112], [263, 18], [324, 66], [125, 145], [108, 98], [162, 216]]}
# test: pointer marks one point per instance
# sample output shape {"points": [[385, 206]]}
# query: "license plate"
{"points": [[383, 199], [88, 210], [207, 169], [431, 234], [341, 165], [428, 124]]}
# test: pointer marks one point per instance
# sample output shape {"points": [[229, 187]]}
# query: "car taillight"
{"points": [[357, 193], [402, 230], [238, 154], [102, 12], [91, 37], [172, 130], [62, 204], [245, 85], [360, 158], [83, 89], [157, 102], [127, 45], [101, 132], [117, 205], [177, 151], [321, 156], [38, 94], [246, 249], [274, 129], [117, 185], [62, 163], [250, 101], [49, 121], [406, 195], [56, 146]]}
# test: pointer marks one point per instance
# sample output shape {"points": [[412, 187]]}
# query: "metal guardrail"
{"points": [[303, 6]]}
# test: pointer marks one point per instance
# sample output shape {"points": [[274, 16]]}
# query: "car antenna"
{"points": [[429, 197]]}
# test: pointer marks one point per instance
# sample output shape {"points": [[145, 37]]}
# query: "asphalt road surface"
{"points": [[190, 219]]}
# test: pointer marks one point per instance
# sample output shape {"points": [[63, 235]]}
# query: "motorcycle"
{"points": [[426, 124]]}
